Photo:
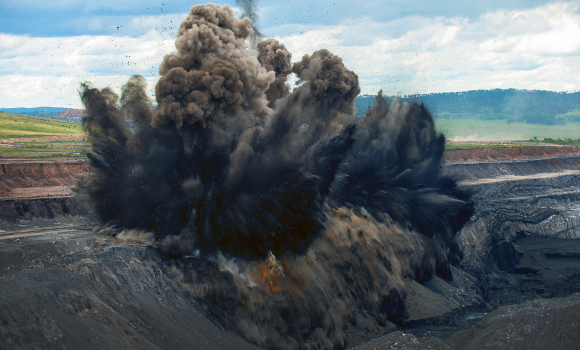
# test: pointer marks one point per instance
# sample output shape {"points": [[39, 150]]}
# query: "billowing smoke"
{"points": [[274, 57], [299, 215]]}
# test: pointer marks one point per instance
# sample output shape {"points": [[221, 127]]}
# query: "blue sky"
{"points": [[48, 48]]}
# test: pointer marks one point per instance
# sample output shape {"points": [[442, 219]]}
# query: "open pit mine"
{"points": [[66, 282], [240, 214]]}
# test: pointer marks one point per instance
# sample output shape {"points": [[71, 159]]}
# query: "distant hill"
{"points": [[59, 113], [71, 115], [19, 126], [529, 106], [36, 111]]}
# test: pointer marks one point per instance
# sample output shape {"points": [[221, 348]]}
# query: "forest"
{"points": [[527, 106]]}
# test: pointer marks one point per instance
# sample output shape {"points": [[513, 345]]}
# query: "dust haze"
{"points": [[302, 213]]}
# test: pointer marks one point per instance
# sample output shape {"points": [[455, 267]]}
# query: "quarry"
{"points": [[66, 282], [233, 211]]}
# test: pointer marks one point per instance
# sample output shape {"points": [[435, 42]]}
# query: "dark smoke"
{"points": [[310, 214], [274, 57], [249, 11]]}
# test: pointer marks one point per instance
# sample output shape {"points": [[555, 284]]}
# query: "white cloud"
{"points": [[48, 71], [36, 91], [66, 55], [530, 49], [563, 38]]}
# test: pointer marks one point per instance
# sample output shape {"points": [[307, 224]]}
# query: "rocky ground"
{"points": [[69, 289], [65, 285], [536, 324]]}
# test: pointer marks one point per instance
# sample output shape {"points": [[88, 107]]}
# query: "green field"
{"points": [[491, 130], [569, 142], [35, 153], [53, 144], [19, 131], [16, 126]]}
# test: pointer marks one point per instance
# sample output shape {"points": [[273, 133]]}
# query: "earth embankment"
{"points": [[18, 174], [43, 188], [478, 170], [32, 188], [508, 153]]}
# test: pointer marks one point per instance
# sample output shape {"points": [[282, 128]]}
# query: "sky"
{"points": [[47, 49]]}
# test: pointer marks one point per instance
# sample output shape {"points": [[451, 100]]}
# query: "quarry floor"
{"points": [[66, 286]]}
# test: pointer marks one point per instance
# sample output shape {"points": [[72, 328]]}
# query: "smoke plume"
{"points": [[249, 11], [274, 57], [287, 214]]}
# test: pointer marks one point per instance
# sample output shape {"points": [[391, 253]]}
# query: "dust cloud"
{"points": [[279, 208]]}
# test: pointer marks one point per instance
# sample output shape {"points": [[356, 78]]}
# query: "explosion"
{"points": [[323, 213]]}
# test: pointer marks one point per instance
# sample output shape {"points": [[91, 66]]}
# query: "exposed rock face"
{"points": [[26, 209], [525, 228], [72, 115], [94, 292], [472, 171], [40, 189], [510, 218], [26, 174], [522, 244], [512, 153]]}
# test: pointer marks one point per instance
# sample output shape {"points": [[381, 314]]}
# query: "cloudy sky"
{"points": [[47, 48]]}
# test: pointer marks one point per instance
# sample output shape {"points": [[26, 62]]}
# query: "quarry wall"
{"points": [[517, 247], [29, 174], [43, 188], [511, 153]]}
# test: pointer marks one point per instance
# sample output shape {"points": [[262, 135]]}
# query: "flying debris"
{"points": [[249, 11], [321, 213]]}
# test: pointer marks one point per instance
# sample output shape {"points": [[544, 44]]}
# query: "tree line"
{"points": [[512, 105]]}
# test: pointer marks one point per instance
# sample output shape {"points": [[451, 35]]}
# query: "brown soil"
{"points": [[510, 153], [29, 179], [5, 143], [46, 138], [41, 192], [72, 113]]}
